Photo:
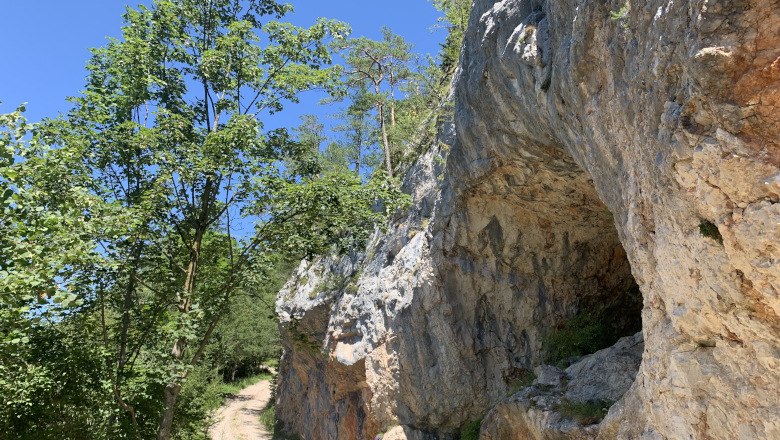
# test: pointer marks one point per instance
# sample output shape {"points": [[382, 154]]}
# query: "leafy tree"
{"points": [[42, 246], [154, 173], [310, 136], [357, 129], [383, 66], [248, 338], [425, 100], [456, 19], [399, 53]]}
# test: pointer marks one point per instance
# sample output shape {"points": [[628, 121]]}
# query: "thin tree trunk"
{"points": [[127, 304], [357, 162], [121, 361], [172, 389], [385, 142], [392, 99], [359, 146]]}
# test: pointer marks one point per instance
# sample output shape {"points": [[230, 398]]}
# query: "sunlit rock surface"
{"points": [[596, 147]]}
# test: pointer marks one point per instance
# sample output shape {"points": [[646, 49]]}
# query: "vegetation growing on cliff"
{"points": [[581, 335], [709, 230], [147, 230], [585, 413], [470, 431]]}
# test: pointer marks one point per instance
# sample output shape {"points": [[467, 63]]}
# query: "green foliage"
{"points": [[120, 219], [709, 230], [522, 379], [200, 396], [470, 431], [396, 99], [310, 136], [54, 387], [581, 335], [357, 132], [145, 233], [268, 419], [48, 375], [351, 289], [227, 389], [247, 340], [333, 210], [621, 14], [375, 70], [456, 18], [585, 413]]}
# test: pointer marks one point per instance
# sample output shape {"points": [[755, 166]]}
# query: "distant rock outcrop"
{"points": [[597, 147]]}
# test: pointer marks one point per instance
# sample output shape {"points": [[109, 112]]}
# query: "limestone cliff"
{"points": [[598, 146]]}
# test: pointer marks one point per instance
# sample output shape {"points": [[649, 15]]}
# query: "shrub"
{"points": [[199, 396], [709, 230], [581, 335], [471, 430], [268, 418], [620, 13], [585, 413]]}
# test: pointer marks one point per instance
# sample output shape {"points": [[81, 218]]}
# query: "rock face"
{"points": [[558, 403], [597, 146]]}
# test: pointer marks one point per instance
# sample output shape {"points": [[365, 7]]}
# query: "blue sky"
{"points": [[45, 44]]}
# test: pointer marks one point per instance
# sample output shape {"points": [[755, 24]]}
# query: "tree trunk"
{"points": [[171, 393], [357, 163], [178, 351], [359, 146], [127, 305], [385, 142], [392, 99]]}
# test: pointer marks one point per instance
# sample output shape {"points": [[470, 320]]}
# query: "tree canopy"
{"points": [[146, 231], [179, 198]]}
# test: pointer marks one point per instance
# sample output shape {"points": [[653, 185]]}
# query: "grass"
{"points": [[233, 388], [709, 230], [268, 418], [585, 413], [211, 392], [581, 335], [470, 431], [274, 427]]}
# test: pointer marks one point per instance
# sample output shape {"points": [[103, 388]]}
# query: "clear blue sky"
{"points": [[45, 43]]}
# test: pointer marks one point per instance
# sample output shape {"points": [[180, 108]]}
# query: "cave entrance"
{"points": [[551, 279]]}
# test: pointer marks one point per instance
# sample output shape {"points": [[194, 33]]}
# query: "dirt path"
{"points": [[239, 418]]}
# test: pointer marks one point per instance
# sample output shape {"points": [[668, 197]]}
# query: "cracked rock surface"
{"points": [[594, 149]]}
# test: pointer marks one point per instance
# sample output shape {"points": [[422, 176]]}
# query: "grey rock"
{"points": [[606, 374], [588, 152], [549, 375], [599, 379]]}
